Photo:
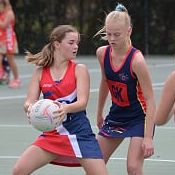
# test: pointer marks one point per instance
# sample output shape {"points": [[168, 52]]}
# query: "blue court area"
{"points": [[17, 134]]}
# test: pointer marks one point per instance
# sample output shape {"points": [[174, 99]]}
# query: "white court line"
{"points": [[112, 158], [13, 97], [152, 160], [98, 69], [15, 126], [161, 65], [9, 157], [23, 96], [155, 86], [94, 127]]}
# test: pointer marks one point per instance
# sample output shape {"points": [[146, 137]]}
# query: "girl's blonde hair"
{"points": [[46, 56], [118, 14]]}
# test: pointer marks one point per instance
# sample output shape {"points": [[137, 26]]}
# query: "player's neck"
{"points": [[123, 49]]}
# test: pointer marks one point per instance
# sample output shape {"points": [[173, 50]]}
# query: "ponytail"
{"points": [[43, 58]]}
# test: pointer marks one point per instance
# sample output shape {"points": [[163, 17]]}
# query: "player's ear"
{"points": [[129, 30], [56, 44]]}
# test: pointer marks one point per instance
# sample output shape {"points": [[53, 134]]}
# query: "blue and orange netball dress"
{"points": [[126, 117], [74, 138]]}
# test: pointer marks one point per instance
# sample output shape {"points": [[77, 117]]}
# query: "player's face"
{"points": [[69, 45], [117, 33]]}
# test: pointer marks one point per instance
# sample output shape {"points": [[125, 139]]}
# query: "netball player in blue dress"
{"points": [[61, 79], [125, 75]]}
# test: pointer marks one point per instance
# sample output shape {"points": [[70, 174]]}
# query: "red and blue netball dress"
{"points": [[74, 138], [127, 113]]}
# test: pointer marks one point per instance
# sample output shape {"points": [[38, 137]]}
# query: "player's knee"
{"points": [[133, 169], [18, 170]]}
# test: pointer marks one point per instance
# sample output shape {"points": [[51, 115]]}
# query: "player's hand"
{"points": [[28, 112], [148, 147], [60, 114], [100, 121]]}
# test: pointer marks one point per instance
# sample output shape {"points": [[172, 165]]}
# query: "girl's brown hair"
{"points": [[46, 56]]}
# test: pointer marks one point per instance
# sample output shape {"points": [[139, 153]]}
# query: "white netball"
{"points": [[41, 115]]}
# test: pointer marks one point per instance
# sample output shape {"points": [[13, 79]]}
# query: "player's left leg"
{"points": [[135, 157], [32, 159], [94, 166], [108, 146], [6, 69], [15, 83]]}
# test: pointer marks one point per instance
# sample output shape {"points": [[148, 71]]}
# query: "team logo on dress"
{"points": [[47, 85], [119, 92], [123, 77]]}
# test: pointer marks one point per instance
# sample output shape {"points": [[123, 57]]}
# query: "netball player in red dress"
{"points": [[61, 79]]}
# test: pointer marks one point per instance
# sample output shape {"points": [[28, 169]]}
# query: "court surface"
{"points": [[17, 134]]}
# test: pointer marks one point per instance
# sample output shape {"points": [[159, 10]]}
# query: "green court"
{"points": [[17, 134]]}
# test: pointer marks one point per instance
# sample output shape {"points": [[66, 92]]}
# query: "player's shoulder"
{"points": [[38, 71], [138, 57], [169, 83], [138, 62], [173, 74], [101, 51], [80, 68], [171, 77], [138, 53]]}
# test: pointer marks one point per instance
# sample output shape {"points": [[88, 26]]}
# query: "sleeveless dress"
{"points": [[74, 138], [126, 117], [8, 40]]}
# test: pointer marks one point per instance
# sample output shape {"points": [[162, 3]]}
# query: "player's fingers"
{"points": [[99, 125], [28, 112], [58, 103], [59, 120], [148, 152], [57, 117], [28, 117]]}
